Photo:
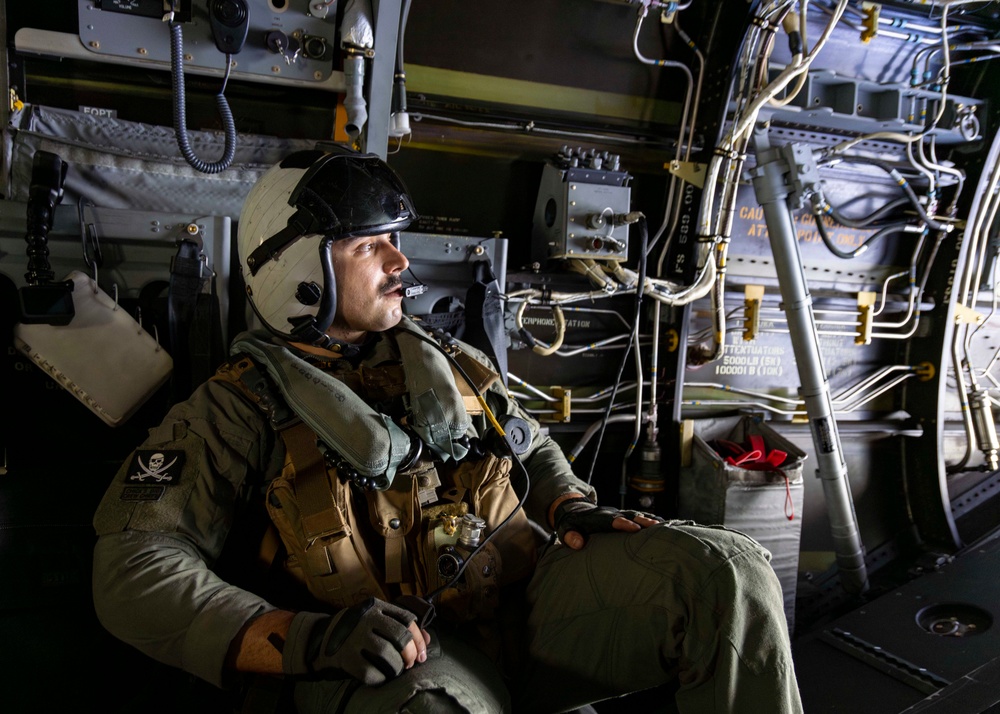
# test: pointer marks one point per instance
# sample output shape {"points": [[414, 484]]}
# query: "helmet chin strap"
{"points": [[307, 333], [311, 329], [328, 301], [348, 349]]}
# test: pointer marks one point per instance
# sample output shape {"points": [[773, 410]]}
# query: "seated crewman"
{"points": [[372, 451]]}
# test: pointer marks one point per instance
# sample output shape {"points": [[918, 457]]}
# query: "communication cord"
{"points": [[180, 109], [428, 600]]}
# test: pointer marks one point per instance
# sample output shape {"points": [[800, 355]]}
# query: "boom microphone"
{"points": [[413, 289]]}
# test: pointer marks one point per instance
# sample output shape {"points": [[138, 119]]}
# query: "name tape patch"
{"points": [[143, 493]]}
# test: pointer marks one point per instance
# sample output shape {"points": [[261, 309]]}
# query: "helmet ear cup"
{"points": [[308, 293]]}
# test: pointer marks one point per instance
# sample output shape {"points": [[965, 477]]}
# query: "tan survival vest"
{"points": [[346, 545]]}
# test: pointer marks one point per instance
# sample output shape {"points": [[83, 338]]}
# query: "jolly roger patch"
{"points": [[153, 467]]}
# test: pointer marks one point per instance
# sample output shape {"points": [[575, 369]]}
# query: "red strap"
{"points": [[757, 458], [776, 458], [747, 457]]}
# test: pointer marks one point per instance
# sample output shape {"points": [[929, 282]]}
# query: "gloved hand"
{"points": [[584, 517], [364, 642]]}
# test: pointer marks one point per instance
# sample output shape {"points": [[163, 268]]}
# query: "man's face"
{"points": [[369, 286]]}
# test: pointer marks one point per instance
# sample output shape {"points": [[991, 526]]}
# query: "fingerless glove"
{"points": [[586, 518], [364, 642]]}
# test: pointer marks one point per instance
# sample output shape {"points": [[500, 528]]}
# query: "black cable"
{"points": [[872, 218], [225, 76], [821, 229], [882, 232], [404, 15], [180, 110], [628, 348], [398, 99], [903, 184]]}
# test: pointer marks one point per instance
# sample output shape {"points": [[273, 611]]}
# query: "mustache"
{"points": [[393, 282]]}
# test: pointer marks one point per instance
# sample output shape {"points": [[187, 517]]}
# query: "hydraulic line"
{"points": [[644, 233], [709, 228], [903, 184], [982, 215], [848, 255]]}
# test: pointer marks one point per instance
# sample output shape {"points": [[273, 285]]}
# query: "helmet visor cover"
{"points": [[339, 196], [360, 196]]}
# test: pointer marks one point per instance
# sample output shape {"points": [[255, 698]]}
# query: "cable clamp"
{"points": [[731, 154]]}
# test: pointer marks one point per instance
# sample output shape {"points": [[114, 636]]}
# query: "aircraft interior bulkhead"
{"points": [[740, 258]]}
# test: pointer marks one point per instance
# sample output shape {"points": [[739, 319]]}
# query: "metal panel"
{"points": [[287, 40], [444, 264], [137, 247], [894, 635]]}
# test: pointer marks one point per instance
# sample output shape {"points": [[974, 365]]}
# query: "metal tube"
{"points": [[387, 14], [772, 191]]}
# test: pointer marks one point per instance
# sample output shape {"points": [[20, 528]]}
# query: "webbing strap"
{"points": [[319, 510], [185, 284], [757, 457]]}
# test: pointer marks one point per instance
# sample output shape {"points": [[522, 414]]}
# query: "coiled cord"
{"points": [[180, 110]]}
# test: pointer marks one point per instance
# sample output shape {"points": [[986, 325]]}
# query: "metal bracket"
{"points": [[693, 173], [869, 22], [753, 296], [562, 405], [968, 316], [866, 315]]}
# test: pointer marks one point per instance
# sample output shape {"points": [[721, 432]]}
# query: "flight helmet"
{"points": [[289, 221]]}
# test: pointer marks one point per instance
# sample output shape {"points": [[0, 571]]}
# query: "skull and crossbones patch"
{"points": [[155, 467]]}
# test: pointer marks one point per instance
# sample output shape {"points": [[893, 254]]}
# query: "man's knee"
{"points": [[739, 567], [725, 573], [699, 553]]}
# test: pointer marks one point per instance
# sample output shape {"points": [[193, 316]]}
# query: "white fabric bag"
{"points": [[103, 357]]}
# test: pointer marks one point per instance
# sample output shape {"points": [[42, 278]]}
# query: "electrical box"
{"points": [[285, 40], [580, 195]]}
